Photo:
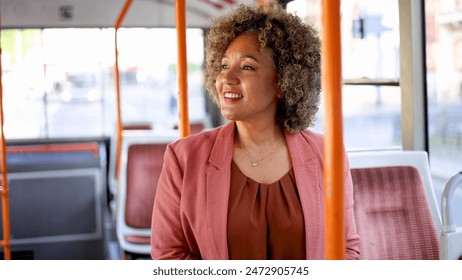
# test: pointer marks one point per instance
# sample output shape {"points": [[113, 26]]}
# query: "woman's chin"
{"points": [[228, 115]]}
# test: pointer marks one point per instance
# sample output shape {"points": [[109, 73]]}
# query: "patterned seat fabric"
{"points": [[392, 214], [143, 171]]}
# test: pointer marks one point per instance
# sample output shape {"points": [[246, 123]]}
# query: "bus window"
{"points": [[370, 55], [444, 91], [150, 95], [23, 86], [74, 63], [59, 82]]}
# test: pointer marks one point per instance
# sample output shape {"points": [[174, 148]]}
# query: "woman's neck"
{"points": [[251, 135]]}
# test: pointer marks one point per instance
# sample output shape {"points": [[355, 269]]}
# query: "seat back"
{"points": [[141, 163], [112, 172], [395, 208], [195, 127], [57, 195]]}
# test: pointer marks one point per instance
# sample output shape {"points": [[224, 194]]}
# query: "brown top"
{"points": [[264, 221]]}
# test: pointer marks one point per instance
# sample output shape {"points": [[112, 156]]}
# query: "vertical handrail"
{"points": [[333, 130], [180, 12], [117, 25], [4, 192], [446, 203]]}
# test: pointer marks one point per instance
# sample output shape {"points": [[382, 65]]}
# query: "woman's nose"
{"points": [[229, 77]]}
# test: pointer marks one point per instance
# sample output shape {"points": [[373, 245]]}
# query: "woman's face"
{"points": [[246, 85]]}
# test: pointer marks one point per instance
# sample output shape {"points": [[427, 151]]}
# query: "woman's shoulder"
{"points": [[312, 137], [316, 140]]}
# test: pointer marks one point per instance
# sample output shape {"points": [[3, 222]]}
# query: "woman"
{"points": [[253, 188]]}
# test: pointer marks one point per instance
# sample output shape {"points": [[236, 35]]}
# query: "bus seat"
{"points": [[395, 208], [141, 164], [137, 126], [112, 173], [195, 126], [57, 197], [450, 234]]}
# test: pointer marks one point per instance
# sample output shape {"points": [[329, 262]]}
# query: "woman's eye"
{"points": [[247, 67], [224, 66]]}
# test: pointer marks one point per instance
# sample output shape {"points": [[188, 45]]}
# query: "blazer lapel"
{"points": [[309, 185], [217, 188]]}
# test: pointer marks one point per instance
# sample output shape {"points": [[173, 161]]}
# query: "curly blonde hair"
{"points": [[296, 54]]}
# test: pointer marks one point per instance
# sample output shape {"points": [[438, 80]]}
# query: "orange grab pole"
{"points": [[333, 130], [180, 8], [120, 18], [6, 242], [123, 13]]}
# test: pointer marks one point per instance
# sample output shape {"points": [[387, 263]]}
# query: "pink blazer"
{"points": [[191, 206]]}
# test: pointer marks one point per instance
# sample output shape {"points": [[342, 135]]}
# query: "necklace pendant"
{"points": [[254, 163]]}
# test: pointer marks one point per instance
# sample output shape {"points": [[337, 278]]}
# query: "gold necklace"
{"points": [[255, 162]]}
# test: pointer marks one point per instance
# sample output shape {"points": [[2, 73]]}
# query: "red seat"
{"points": [[143, 171], [397, 213], [141, 164], [393, 215]]}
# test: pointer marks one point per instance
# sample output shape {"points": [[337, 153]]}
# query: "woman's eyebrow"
{"points": [[250, 56], [244, 56]]}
